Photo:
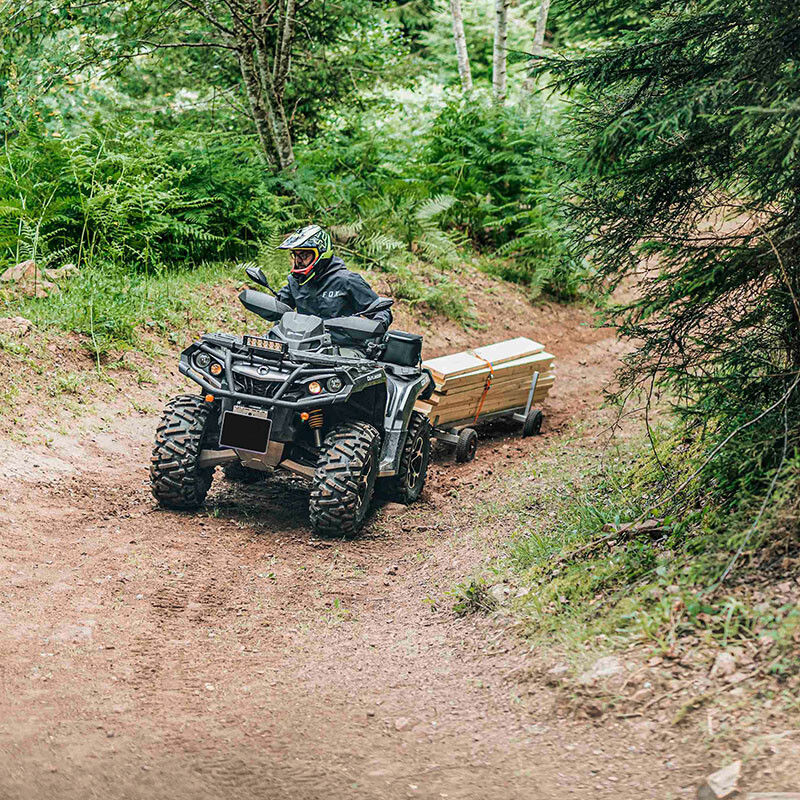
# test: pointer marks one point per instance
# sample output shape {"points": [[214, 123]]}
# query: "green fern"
{"points": [[345, 232], [433, 207], [116, 196]]}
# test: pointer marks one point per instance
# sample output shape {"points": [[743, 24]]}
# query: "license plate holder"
{"points": [[245, 429]]}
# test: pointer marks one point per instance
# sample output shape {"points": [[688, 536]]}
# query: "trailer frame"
{"points": [[463, 436]]}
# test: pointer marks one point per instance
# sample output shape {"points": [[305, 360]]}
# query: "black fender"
{"points": [[403, 390]]}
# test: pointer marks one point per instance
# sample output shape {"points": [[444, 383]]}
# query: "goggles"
{"points": [[304, 260]]}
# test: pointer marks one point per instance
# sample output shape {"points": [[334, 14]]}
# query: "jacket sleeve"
{"points": [[362, 295], [285, 296]]}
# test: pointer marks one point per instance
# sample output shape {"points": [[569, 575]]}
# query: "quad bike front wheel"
{"points": [[344, 480], [406, 486], [176, 480]]}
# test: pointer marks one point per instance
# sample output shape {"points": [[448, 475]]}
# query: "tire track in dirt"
{"points": [[161, 665], [231, 654]]}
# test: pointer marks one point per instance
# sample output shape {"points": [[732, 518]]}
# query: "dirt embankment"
{"points": [[229, 653]]}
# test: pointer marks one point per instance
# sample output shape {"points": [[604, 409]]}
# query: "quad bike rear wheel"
{"points": [[344, 480], [176, 480], [406, 486]]}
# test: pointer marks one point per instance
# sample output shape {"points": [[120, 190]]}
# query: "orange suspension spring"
{"points": [[315, 419]]}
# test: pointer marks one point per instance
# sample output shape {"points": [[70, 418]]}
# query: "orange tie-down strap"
{"points": [[486, 387]]}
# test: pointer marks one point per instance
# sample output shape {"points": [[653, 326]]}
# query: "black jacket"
{"points": [[334, 292]]}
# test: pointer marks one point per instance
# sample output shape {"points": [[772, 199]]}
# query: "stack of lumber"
{"points": [[461, 380]]}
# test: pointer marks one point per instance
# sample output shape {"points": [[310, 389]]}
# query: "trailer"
{"points": [[463, 436]]}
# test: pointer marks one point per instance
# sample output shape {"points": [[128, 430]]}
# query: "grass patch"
{"points": [[604, 548], [67, 383], [441, 294], [8, 396], [110, 306], [13, 346], [472, 596]]}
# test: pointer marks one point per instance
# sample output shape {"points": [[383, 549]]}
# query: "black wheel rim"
{"points": [[472, 446], [364, 481], [415, 463], [533, 424]]}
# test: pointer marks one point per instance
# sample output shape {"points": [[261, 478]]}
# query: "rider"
{"points": [[319, 282]]}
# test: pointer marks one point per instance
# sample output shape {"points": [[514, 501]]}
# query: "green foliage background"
{"points": [[689, 183], [132, 164]]}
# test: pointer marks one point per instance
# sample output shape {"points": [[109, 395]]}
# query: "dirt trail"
{"points": [[228, 653]]}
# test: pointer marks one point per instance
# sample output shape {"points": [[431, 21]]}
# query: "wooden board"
{"points": [[519, 374], [496, 385], [466, 411], [460, 380], [539, 362], [455, 364], [492, 396], [467, 405], [446, 367], [515, 382], [510, 350]]}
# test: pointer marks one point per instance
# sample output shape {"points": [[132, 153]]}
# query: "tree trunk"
{"points": [[499, 61], [275, 111], [461, 46], [541, 25], [273, 76], [538, 43], [253, 90], [264, 82], [280, 69]]}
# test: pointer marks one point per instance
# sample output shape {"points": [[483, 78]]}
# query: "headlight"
{"points": [[202, 360], [216, 368], [334, 384], [314, 387]]}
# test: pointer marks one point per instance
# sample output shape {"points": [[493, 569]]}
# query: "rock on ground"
{"points": [[724, 665], [605, 667], [15, 326], [36, 281], [721, 784]]}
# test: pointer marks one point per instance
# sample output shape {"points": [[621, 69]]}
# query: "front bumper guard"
{"points": [[313, 401]]}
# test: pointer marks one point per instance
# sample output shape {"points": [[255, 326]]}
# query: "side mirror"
{"points": [[262, 304], [378, 304], [257, 276]]}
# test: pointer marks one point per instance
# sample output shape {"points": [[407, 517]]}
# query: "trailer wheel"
{"points": [[466, 446], [533, 423], [344, 480], [406, 486], [175, 479]]}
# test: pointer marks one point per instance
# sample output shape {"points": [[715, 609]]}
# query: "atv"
{"points": [[330, 400]]}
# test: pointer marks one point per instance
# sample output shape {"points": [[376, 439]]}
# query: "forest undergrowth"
{"points": [[612, 550], [688, 600]]}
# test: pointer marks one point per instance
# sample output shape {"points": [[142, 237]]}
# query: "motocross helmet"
{"points": [[313, 240]]}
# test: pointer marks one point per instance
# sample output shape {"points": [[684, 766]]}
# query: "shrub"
{"points": [[689, 186], [123, 194]]}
